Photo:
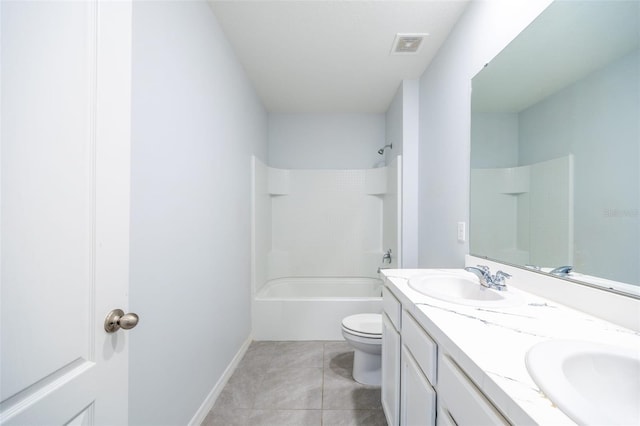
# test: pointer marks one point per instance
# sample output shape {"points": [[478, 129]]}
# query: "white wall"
{"points": [[196, 123], [410, 172], [393, 126], [325, 141], [445, 98]]}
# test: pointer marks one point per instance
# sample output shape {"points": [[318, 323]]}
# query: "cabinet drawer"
{"points": [[392, 307], [421, 346], [464, 401]]}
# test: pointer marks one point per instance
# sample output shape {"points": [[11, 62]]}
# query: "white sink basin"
{"points": [[462, 288], [593, 384]]}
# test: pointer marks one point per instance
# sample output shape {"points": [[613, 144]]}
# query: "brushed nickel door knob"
{"points": [[117, 319]]}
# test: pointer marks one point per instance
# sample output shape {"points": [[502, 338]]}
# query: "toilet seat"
{"points": [[363, 325]]}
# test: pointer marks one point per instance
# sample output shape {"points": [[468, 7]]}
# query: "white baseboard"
{"points": [[211, 398]]}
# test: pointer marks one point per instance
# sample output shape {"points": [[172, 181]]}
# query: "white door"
{"points": [[65, 128]]}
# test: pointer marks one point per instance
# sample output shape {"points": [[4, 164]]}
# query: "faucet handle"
{"points": [[484, 268], [499, 278], [503, 274]]}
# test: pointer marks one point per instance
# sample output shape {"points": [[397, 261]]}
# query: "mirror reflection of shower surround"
{"points": [[381, 150]]}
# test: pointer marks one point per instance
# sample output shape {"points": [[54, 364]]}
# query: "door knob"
{"points": [[117, 319]]}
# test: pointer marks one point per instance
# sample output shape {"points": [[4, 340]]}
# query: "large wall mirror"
{"points": [[555, 146]]}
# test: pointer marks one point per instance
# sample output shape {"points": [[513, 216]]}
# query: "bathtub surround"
{"points": [[326, 223], [196, 124], [317, 228]]}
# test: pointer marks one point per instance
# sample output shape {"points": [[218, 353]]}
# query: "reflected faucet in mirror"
{"points": [[561, 271]]}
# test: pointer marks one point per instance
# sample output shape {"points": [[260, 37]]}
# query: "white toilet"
{"points": [[364, 333]]}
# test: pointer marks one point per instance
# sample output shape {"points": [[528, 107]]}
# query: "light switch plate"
{"points": [[462, 232]]}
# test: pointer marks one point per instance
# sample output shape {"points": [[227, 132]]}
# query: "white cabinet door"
{"points": [[418, 399], [65, 129], [390, 371]]}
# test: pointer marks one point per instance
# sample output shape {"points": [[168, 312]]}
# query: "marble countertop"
{"points": [[490, 344]]}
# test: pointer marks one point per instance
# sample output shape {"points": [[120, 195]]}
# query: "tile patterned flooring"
{"points": [[298, 384]]}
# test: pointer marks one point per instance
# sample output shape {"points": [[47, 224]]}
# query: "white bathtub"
{"points": [[312, 308]]}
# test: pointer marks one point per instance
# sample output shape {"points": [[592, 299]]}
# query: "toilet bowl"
{"points": [[364, 333]]}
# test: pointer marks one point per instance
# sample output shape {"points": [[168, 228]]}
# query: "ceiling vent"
{"points": [[407, 44]]}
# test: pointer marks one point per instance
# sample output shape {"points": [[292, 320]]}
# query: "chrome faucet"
{"points": [[499, 279], [496, 281], [482, 272], [387, 257], [562, 271]]}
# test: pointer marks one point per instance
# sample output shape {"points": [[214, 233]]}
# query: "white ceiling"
{"points": [[332, 56]]}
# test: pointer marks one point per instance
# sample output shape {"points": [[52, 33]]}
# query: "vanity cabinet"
{"points": [[390, 392], [421, 383]]}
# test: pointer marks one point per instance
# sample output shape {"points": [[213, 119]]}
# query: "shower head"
{"points": [[381, 150]]}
